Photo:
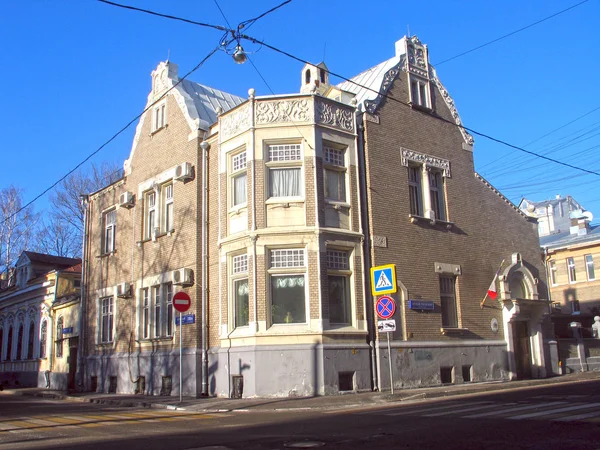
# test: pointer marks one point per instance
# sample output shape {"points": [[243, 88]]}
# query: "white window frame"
{"points": [[334, 163], [339, 265], [291, 263], [415, 188], [287, 157], [552, 269], [109, 225], [571, 270], [437, 190], [107, 309], [60, 323], [159, 116], [145, 316], [168, 212], [452, 316], [420, 92], [589, 267], [425, 196], [156, 318], [150, 214], [238, 171], [239, 275]]}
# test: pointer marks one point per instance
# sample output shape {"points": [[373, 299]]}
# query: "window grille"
{"points": [[285, 152], [285, 258]]}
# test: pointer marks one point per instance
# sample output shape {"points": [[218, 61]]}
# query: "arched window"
{"points": [[20, 342], [30, 340], [43, 337], [59, 337], [322, 74], [9, 344], [1, 342], [307, 76]]}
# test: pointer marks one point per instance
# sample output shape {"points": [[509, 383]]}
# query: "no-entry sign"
{"points": [[181, 302]]}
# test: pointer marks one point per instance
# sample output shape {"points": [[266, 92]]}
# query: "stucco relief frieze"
{"points": [[236, 122], [388, 80], [283, 111], [427, 160], [335, 116], [450, 102]]}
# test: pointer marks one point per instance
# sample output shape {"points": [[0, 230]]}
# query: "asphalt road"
{"points": [[556, 417]]}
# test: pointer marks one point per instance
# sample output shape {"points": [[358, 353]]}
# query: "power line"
{"points": [[491, 138], [511, 33], [115, 135]]}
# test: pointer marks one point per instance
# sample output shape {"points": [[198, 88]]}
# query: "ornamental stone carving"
{"points": [[236, 122], [417, 61], [427, 160], [335, 116], [450, 103], [283, 111], [388, 80]]}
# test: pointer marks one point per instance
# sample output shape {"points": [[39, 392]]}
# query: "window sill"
{"points": [[104, 345], [337, 205], [434, 222], [236, 210], [284, 202], [447, 331], [167, 233], [106, 255], [149, 341], [159, 129], [426, 109]]}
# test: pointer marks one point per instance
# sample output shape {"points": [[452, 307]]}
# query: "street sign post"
{"points": [[386, 307], [181, 302]]}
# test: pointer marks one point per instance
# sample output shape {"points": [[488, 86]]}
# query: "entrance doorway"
{"points": [[522, 346], [73, 344]]}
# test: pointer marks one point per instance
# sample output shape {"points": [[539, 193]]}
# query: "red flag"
{"points": [[492, 289]]}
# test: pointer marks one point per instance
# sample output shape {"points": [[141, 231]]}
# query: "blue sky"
{"points": [[75, 72]]}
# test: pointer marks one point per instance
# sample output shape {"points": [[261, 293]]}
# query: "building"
{"points": [[39, 322], [270, 211], [552, 215]]}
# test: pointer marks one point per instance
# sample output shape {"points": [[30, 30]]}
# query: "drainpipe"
{"points": [[366, 227], [204, 145], [82, 323]]}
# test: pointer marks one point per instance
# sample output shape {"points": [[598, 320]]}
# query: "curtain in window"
{"points": [[239, 190], [285, 182], [287, 298], [335, 186], [242, 315]]}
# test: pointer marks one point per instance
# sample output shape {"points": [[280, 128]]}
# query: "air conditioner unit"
{"points": [[124, 290], [126, 199], [183, 277], [183, 171]]}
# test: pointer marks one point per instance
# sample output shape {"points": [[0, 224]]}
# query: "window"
{"points": [[109, 219], [43, 337], [156, 319], [414, 190], [168, 202], [552, 271], [335, 174], [338, 279], [571, 270], [30, 340], [448, 301], [241, 312], [436, 194], [9, 344], [419, 92], [59, 337], [287, 276], [589, 267], [159, 116], [238, 179], [285, 170], [107, 318], [150, 216], [19, 341]]}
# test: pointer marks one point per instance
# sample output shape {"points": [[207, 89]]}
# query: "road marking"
{"points": [[577, 417], [435, 408], [554, 411], [462, 410], [510, 410]]}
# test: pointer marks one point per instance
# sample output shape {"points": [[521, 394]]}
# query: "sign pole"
{"points": [[180, 360], [390, 361]]}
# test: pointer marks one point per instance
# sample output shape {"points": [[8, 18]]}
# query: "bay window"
{"points": [[238, 179], [335, 174], [239, 283], [285, 170], [338, 280]]}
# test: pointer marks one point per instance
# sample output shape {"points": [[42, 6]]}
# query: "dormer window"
{"points": [[419, 92]]}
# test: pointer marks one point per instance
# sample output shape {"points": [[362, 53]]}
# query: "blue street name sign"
{"points": [[424, 305], [187, 319], [383, 279], [68, 330]]}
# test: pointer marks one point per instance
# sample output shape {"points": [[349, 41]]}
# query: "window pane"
{"points": [[43, 337], [242, 313], [285, 182], [335, 185], [239, 189], [287, 299], [169, 216], [157, 306], [414, 190], [571, 267], [146, 315], [20, 342], [589, 264], [169, 306], [448, 302], [30, 340], [339, 300], [9, 343], [59, 338]]}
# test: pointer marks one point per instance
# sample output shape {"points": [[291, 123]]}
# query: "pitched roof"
{"points": [[52, 260], [566, 239]]}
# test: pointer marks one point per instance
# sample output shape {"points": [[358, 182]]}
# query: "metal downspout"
{"points": [[82, 300], [366, 225], [204, 145]]}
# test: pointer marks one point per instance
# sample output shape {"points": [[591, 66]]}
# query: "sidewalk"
{"points": [[219, 404]]}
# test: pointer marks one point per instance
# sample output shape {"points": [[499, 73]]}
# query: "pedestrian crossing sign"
{"points": [[383, 279]]}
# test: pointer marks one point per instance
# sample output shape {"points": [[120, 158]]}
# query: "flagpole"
{"points": [[494, 280]]}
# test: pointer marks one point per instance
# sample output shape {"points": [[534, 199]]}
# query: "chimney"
{"points": [[580, 222]]}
